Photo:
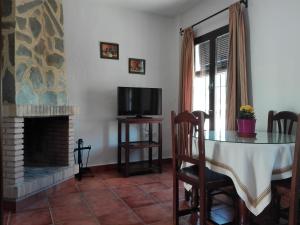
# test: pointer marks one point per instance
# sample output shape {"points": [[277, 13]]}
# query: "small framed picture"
{"points": [[109, 50], [137, 66]]}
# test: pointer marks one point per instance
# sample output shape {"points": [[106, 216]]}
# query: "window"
{"points": [[209, 90]]}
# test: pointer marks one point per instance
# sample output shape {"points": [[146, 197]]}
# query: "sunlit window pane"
{"points": [[222, 48], [201, 80]]}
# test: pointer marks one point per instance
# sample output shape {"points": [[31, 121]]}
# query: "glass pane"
{"points": [[201, 79], [222, 49]]}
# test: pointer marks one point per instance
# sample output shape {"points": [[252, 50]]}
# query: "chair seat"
{"points": [[282, 187], [213, 179]]}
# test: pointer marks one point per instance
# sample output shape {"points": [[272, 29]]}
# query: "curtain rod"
{"points": [[245, 2]]}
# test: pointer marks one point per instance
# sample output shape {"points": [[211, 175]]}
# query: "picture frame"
{"points": [[109, 50], [137, 66]]}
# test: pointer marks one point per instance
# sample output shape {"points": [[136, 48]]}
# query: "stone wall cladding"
{"points": [[40, 53], [33, 53], [8, 53]]}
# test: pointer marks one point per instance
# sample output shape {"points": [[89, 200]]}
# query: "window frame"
{"points": [[211, 37]]}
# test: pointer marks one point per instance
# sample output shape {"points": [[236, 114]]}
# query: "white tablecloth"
{"points": [[251, 168]]}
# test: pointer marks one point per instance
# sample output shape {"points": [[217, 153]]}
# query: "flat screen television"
{"points": [[139, 102]]}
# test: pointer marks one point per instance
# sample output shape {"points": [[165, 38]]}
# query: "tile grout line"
{"points": [[82, 197], [127, 206], [8, 218], [50, 210]]}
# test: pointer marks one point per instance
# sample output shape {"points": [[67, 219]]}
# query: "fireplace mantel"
{"points": [[11, 110]]}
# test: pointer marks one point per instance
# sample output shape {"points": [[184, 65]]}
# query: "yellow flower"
{"points": [[247, 108]]}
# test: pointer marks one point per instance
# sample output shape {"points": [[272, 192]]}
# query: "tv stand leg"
{"points": [[150, 149], [119, 146], [126, 162], [160, 147]]}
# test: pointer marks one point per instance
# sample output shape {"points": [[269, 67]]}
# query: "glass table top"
{"points": [[261, 137]]}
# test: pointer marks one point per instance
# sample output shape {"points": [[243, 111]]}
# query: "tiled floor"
{"points": [[109, 199]]}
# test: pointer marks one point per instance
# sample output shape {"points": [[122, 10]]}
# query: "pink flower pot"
{"points": [[246, 126]]}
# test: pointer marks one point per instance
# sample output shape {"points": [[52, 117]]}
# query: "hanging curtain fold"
{"points": [[237, 92], [187, 69]]}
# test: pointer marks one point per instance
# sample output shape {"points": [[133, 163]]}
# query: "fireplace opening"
{"points": [[46, 142]]}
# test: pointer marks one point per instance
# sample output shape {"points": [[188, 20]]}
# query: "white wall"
{"points": [[93, 82], [274, 50]]}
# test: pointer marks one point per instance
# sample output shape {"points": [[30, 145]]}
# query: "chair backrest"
{"points": [[185, 128], [285, 121], [197, 113], [294, 195]]}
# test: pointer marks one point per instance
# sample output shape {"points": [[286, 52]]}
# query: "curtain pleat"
{"points": [[237, 92], [187, 69]]}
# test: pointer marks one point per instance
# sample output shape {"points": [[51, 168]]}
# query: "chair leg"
{"points": [[187, 195], [209, 202], [276, 205], [175, 201], [195, 197]]}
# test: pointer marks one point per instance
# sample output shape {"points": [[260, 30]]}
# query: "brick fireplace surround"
{"points": [[38, 144]]}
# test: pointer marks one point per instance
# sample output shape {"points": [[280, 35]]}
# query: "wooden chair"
{"points": [[184, 127], [288, 187], [285, 121]]}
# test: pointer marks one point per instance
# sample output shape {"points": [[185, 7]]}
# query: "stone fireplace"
{"points": [[38, 123]]}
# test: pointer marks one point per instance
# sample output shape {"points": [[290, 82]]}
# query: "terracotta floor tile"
{"points": [[39, 204], [153, 213], [109, 174], [120, 218], [128, 191], [163, 195], [91, 184], [110, 199], [107, 206], [163, 222], [34, 217], [87, 221], [144, 179], [118, 182], [62, 200], [70, 212], [62, 190], [139, 200], [96, 196], [6, 216], [153, 187]]}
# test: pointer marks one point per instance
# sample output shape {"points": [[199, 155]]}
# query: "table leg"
{"points": [[244, 214]]}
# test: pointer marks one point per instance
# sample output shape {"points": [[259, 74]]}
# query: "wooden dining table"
{"points": [[251, 163]]}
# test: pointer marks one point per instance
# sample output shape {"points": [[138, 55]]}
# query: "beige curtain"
{"points": [[187, 69], [237, 92]]}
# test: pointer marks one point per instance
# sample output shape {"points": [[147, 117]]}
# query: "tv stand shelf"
{"points": [[141, 144], [127, 146]]}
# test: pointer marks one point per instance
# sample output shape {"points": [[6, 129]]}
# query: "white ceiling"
{"points": [[162, 7]]}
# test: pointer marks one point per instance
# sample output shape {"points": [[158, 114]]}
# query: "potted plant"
{"points": [[246, 121]]}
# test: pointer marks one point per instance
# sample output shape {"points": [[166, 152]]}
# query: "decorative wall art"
{"points": [[109, 50], [136, 66]]}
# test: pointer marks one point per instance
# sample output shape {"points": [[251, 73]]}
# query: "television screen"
{"points": [[139, 101]]}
